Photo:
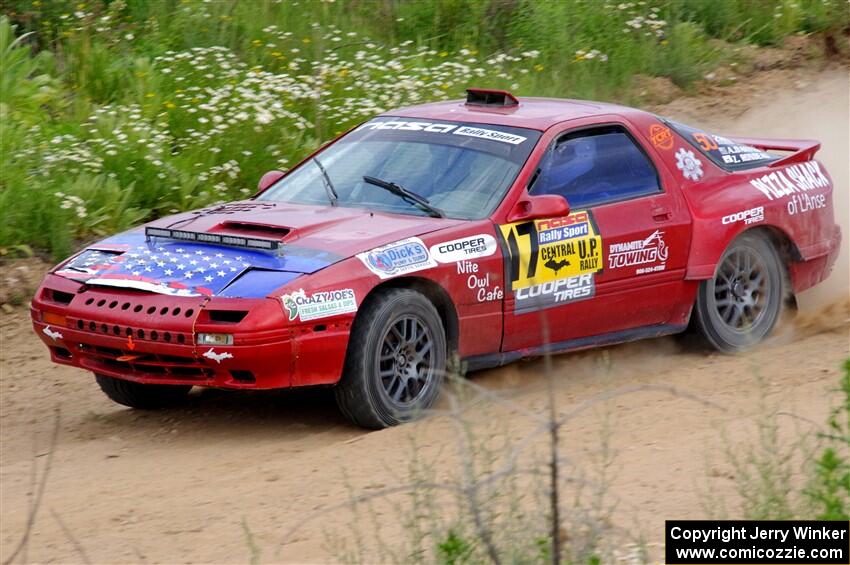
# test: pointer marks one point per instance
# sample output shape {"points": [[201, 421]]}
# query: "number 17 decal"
{"points": [[552, 249], [522, 230]]}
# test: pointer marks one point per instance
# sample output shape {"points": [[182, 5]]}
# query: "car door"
{"points": [[616, 262]]}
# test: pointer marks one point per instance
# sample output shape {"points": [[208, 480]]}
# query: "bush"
{"points": [[167, 106], [784, 475], [828, 491]]}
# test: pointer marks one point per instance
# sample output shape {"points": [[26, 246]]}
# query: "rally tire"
{"points": [[395, 362], [142, 396], [740, 305]]}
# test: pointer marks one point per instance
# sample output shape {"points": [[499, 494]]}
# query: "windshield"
{"points": [[461, 169]]}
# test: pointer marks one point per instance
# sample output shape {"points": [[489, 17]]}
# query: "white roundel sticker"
{"points": [[688, 163], [470, 247]]}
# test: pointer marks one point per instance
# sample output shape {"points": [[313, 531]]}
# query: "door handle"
{"points": [[660, 214]]}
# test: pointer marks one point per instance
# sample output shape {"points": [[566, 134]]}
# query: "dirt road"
{"points": [[179, 485]]}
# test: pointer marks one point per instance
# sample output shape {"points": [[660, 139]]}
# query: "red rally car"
{"points": [[493, 229]]}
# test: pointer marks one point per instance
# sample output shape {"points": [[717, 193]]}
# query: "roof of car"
{"points": [[534, 113]]}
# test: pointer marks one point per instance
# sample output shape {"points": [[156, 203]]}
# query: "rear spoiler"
{"points": [[802, 149]]}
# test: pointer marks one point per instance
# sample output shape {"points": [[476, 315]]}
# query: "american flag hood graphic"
{"points": [[190, 268]]}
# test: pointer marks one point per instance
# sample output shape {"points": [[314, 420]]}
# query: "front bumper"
{"points": [[150, 338]]}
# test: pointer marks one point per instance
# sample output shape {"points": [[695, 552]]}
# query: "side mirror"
{"points": [[269, 179], [536, 207]]}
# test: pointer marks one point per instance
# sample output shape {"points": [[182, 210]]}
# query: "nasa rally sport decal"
{"points": [[454, 129], [471, 247], [398, 258], [552, 262]]}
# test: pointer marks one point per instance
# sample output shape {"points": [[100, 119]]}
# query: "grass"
{"points": [[496, 499], [117, 112], [792, 468]]}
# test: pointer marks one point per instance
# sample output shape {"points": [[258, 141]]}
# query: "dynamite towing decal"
{"points": [[552, 261], [651, 251], [306, 307]]}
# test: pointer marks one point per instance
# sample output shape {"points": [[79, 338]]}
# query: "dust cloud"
{"points": [[819, 110], [791, 105]]}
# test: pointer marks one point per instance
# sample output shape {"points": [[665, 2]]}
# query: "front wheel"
{"points": [[142, 396], [395, 362], [741, 304]]}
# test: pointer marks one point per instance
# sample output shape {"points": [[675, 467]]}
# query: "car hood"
{"points": [[310, 238]]}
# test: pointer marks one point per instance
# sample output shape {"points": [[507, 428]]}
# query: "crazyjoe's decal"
{"points": [[321, 304]]}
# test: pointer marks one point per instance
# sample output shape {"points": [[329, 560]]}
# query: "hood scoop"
{"points": [[252, 229]]}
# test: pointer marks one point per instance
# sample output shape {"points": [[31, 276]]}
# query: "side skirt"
{"points": [[490, 360]]}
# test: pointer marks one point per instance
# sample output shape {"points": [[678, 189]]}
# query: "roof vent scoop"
{"points": [[493, 98]]}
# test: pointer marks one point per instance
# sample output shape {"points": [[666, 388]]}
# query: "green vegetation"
{"points": [[786, 475], [118, 111], [494, 499], [828, 491]]}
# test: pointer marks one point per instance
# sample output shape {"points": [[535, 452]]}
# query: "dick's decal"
{"points": [[305, 307], [552, 261], [399, 258]]}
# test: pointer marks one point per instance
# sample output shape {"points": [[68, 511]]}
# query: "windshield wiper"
{"points": [[407, 195], [329, 186]]}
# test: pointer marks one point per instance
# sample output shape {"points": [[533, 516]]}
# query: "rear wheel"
{"points": [[396, 360], [142, 396], [741, 304]]}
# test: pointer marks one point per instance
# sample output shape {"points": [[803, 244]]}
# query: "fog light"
{"points": [[54, 319], [215, 339]]}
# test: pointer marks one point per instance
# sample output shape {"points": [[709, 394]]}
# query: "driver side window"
{"points": [[596, 166]]}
